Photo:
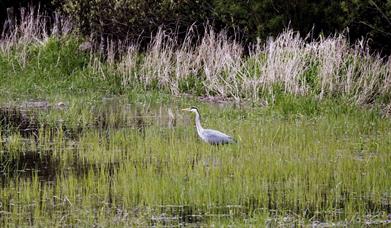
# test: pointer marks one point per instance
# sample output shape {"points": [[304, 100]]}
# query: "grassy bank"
{"points": [[107, 143], [38, 63]]}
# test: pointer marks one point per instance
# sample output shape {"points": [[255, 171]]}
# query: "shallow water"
{"points": [[115, 163], [35, 154]]}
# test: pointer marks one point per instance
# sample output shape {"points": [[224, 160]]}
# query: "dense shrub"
{"points": [[135, 20], [48, 6], [250, 19]]}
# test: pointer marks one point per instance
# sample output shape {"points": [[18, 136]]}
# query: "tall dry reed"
{"points": [[224, 67], [33, 27], [325, 67]]}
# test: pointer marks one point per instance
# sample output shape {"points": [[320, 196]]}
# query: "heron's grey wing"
{"points": [[216, 137]]}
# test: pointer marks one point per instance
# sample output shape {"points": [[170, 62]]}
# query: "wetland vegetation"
{"points": [[99, 140]]}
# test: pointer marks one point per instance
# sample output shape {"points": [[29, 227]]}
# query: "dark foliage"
{"points": [[47, 6], [138, 19]]}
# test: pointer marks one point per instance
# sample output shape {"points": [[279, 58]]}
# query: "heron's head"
{"points": [[192, 109]]}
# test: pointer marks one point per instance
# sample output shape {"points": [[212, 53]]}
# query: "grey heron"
{"points": [[209, 135]]}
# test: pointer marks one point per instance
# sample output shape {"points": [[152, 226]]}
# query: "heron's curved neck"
{"points": [[198, 122]]}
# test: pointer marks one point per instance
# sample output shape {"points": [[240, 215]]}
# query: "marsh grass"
{"points": [[289, 167]]}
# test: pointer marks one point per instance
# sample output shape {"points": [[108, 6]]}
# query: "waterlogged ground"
{"points": [[118, 163]]}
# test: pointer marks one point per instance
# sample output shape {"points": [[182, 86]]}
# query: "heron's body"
{"points": [[215, 137], [210, 136]]}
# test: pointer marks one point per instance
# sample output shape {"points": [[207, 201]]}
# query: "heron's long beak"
{"points": [[186, 109]]}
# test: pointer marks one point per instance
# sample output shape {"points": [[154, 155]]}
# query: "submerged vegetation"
{"points": [[91, 138]]}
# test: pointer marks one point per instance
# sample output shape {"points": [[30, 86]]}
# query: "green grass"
{"points": [[326, 167], [53, 70], [111, 158]]}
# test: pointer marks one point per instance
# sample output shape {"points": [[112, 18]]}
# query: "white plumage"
{"points": [[210, 136]]}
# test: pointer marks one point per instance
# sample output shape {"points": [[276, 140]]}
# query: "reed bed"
{"points": [[217, 65]]}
